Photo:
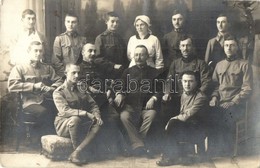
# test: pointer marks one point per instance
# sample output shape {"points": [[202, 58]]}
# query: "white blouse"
{"points": [[154, 49]]}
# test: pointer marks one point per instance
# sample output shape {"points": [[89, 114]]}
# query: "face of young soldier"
{"points": [[230, 48], [222, 24], [112, 23], [89, 52], [141, 27], [29, 21], [186, 47], [71, 23], [189, 82], [177, 21], [140, 56], [72, 73], [35, 53]]}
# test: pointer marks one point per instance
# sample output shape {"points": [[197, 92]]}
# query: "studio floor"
{"points": [[28, 157], [28, 160]]}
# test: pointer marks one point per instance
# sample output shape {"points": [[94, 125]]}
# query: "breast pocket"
{"points": [[73, 103], [110, 48], [235, 78], [30, 78], [65, 51], [220, 74]]}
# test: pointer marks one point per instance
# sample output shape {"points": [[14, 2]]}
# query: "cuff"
{"points": [[154, 97]]}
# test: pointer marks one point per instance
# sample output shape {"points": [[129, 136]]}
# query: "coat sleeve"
{"points": [[98, 44], [63, 106], [57, 80], [129, 49], [215, 84], [170, 81], [16, 81], [205, 77], [199, 103], [159, 64], [57, 58], [93, 106], [208, 52], [246, 87]]}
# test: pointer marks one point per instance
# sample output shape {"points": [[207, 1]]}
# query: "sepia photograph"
{"points": [[130, 83]]}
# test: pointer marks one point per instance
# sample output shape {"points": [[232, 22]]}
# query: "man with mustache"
{"points": [[188, 62], [94, 68], [170, 42], [139, 104]]}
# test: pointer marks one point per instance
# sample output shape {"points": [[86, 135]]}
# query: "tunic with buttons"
{"points": [[233, 80], [66, 49], [170, 45], [24, 76], [112, 47], [71, 101], [193, 64]]}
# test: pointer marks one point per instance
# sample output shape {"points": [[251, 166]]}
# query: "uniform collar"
{"points": [[37, 66], [71, 86], [221, 37], [179, 30], [190, 93], [107, 32], [72, 34], [142, 67], [189, 59], [232, 58], [145, 37]]}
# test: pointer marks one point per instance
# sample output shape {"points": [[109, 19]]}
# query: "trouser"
{"points": [[44, 115], [180, 131], [131, 118], [223, 125], [170, 109], [81, 130]]}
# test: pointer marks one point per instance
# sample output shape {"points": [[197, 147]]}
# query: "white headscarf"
{"points": [[144, 19]]}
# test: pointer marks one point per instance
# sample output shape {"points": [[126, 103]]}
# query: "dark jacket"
{"points": [[144, 80]]}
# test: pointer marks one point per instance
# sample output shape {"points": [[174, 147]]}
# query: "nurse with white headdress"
{"points": [[144, 37]]}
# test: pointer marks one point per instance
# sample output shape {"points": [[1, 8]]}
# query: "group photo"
{"points": [[130, 83]]}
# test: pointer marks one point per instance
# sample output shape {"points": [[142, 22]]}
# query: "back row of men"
{"points": [[67, 46], [80, 97]]}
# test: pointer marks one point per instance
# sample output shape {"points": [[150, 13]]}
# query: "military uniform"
{"points": [[188, 125], [233, 80], [112, 48], [22, 79], [66, 49], [215, 50], [190, 64], [98, 71], [170, 46], [174, 85], [72, 104]]}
